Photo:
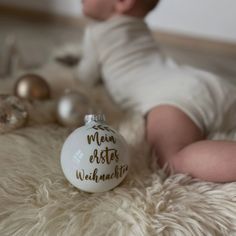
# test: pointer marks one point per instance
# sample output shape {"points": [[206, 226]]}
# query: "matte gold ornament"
{"points": [[32, 87], [71, 108], [13, 113]]}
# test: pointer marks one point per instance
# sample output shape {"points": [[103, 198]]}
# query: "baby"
{"points": [[182, 105]]}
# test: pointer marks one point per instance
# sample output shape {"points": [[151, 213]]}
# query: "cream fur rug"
{"points": [[37, 200]]}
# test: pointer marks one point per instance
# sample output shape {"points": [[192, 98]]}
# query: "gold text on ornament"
{"points": [[118, 172], [100, 139], [104, 156]]}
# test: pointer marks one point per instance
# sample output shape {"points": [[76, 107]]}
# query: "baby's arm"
{"points": [[89, 68]]}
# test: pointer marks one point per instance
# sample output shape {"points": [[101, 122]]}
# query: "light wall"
{"points": [[208, 18], [63, 7], [214, 19]]}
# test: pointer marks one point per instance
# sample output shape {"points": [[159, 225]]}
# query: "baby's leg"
{"points": [[180, 143]]}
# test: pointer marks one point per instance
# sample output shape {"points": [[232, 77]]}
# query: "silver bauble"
{"points": [[71, 109], [13, 113], [32, 86]]}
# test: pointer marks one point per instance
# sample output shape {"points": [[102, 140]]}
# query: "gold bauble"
{"points": [[32, 87], [13, 113]]}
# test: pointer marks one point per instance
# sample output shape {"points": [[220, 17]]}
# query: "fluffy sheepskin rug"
{"points": [[37, 200]]}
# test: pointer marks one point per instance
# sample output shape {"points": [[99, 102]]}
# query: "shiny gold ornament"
{"points": [[13, 113], [71, 109], [32, 87]]}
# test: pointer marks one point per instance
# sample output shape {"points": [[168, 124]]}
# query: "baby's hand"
{"points": [[69, 55]]}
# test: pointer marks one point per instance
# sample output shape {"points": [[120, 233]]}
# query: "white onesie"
{"points": [[124, 54]]}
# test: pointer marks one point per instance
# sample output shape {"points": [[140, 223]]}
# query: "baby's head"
{"points": [[105, 9]]}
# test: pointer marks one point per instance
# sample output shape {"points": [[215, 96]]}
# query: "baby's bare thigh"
{"points": [[169, 130]]}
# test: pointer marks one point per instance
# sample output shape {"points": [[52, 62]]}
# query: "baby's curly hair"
{"points": [[149, 5]]}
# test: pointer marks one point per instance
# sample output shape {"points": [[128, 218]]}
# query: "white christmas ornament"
{"points": [[95, 157]]}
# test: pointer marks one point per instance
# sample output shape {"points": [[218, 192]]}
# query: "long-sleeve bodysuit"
{"points": [[123, 52]]}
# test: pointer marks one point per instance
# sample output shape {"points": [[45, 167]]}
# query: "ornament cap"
{"points": [[96, 118]]}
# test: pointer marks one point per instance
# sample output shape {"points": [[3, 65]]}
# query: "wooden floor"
{"points": [[37, 39], [215, 56]]}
